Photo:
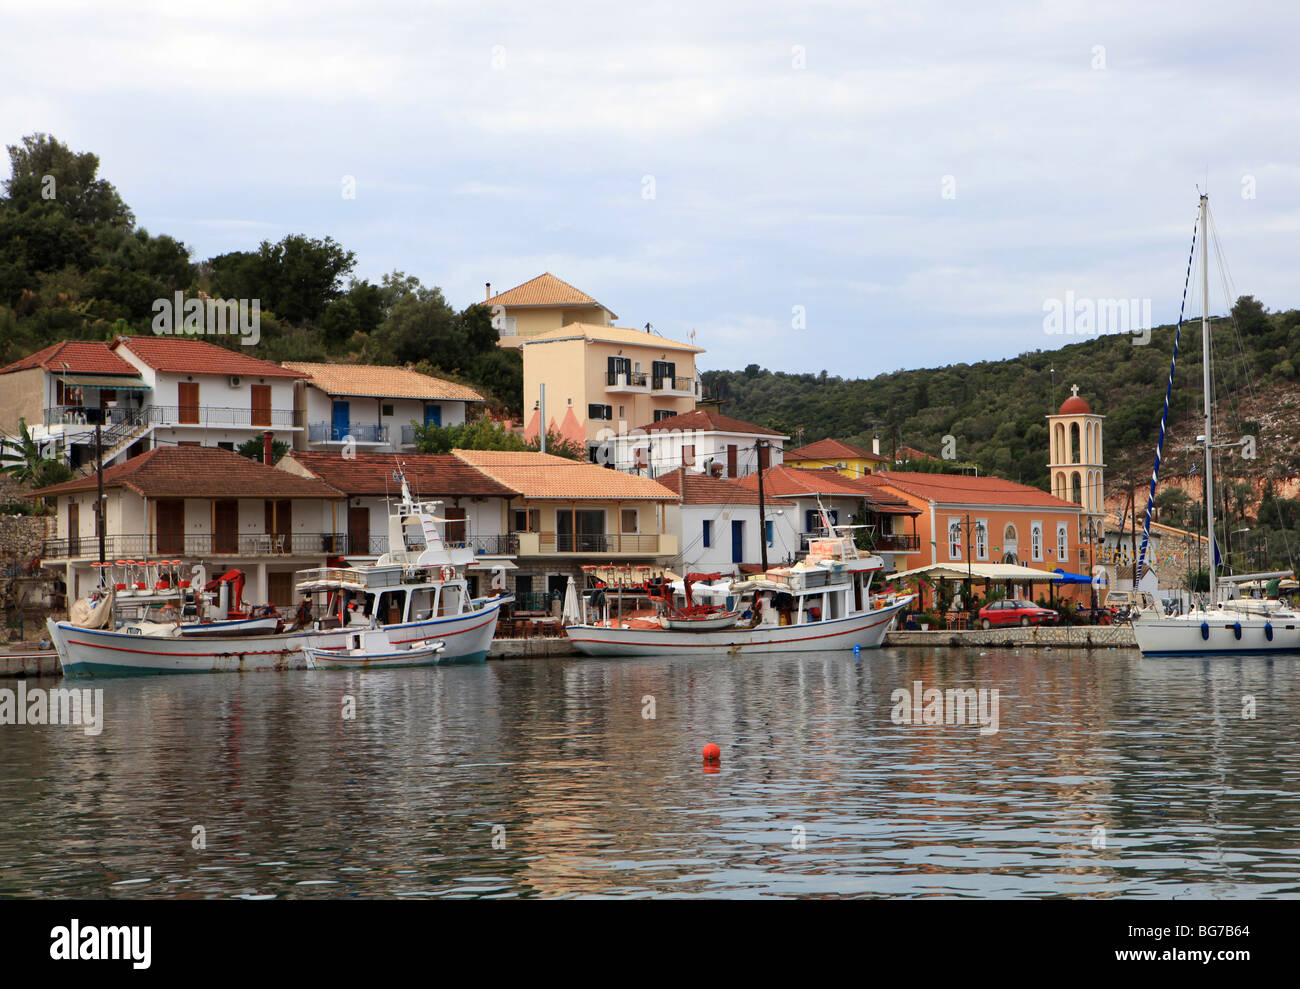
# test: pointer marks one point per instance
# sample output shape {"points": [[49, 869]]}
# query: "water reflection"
{"points": [[1111, 776]]}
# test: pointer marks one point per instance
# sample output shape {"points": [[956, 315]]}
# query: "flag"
{"points": [[1193, 470]]}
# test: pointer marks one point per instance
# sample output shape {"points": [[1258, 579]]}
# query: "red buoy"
{"points": [[712, 754]]}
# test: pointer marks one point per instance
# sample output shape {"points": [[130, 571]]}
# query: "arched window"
{"points": [[954, 539], [1074, 443], [1058, 441], [1009, 536], [1076, 488]]}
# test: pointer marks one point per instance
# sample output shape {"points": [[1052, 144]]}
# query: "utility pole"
{"points": [[542, 428], [99, 485], [759, 448]]}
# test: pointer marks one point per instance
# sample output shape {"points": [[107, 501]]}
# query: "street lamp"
{"points": [[980, 530]]}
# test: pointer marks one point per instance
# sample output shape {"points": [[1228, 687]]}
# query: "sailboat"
{"points": [[1219, 625]]}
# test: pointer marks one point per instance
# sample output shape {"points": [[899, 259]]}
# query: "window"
{"points": [[1063, 542], [629, 520], [661, 414], [622, 413], [595, 411], [954, 539], [981, 539], [706, 535], [768, 533], [386, 410], [526, 520], [641, 456], [1036, 540]]}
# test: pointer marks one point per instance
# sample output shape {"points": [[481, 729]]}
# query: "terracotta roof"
{"points": [[81, 356], [372, 380], [963, 489], [429, 474], [694, 488], [198, 472], [831, 450], [912, 453], [709, 419], [540, 475], [609, 334], [190, 355], [544, 290], [784, 481], [1073, 406]]}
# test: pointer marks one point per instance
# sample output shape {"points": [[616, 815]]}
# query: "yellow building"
{"points": [[601, 378], [849, 460], [539, 305]]}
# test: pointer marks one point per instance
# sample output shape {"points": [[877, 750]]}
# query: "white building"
{"points": [[372, 407], [702, 440], [718, 528]]}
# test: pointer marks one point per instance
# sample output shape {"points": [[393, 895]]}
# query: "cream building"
{"points": [[539, 305], [1075, 459], [600, 380]]}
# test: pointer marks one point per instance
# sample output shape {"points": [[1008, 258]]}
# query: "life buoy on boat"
{"points": [[447, 573]]}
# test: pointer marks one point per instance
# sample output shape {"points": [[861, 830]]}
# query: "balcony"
{"points": [[675, 386], [221, 417], [596, 544], [136, 546], [408, 436], [75, 415], [359, 432], [880, 543], [491, 545], [634, 381]]}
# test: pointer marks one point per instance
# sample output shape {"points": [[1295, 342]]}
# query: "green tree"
{"points": [[252, 449]]}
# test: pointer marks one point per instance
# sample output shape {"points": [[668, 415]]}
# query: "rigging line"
{"points": [[1164, 418]]}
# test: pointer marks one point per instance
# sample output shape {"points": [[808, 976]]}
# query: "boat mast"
{"points": [[762, 513], [1205, 362]]}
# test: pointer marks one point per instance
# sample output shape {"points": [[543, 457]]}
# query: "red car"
{"points": [[1015, 612]]}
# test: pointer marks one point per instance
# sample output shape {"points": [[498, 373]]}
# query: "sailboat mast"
{"points": [[1205, 367]]}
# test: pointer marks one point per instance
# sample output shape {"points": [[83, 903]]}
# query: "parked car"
{"points": [[1015, 612]]}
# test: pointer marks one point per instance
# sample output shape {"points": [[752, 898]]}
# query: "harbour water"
{"points": [[1109, 776]]}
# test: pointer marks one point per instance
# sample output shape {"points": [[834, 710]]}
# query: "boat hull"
{"points": [[1183, 635], [866, 631], [326, 659], [98, 652]]}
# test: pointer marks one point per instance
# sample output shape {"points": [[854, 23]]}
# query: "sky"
{"points": [[855, 187]]}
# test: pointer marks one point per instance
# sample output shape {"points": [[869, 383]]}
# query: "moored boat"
{"points": [[373, 649]]}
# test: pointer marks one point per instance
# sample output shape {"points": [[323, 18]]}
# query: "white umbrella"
{"points": [[572, 614]]}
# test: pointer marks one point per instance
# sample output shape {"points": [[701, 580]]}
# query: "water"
{"points": [[554, 759]]}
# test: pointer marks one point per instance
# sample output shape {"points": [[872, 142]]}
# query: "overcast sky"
{"points": [[919, 177]]}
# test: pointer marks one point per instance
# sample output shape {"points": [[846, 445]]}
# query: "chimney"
{"points": [[267, 438], [488, 286], [875, 445]]}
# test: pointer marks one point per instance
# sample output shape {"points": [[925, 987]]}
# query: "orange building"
{"points": [[987, 520]]}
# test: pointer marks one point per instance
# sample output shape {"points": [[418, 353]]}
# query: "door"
{"points": [[663, 373], [359, 531], [225, 526], [187, 395], [261, 397], [455, 528], [433, 415], [74, 529], [737, 541], [279, 524], [341, 425], [731, 460], [171, 525]]}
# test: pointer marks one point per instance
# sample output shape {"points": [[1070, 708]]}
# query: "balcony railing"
{"points": [[208, 415], [408, 436], [75, 415], [686, 385], [582, 542], [490, 545], [359, 432], [627, 379], [886, 543], [194, 544]]}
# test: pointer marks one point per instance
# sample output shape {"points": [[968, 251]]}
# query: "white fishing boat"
{"points": [[416, 592], [822, 604], [1218, 623], [373, 649]]}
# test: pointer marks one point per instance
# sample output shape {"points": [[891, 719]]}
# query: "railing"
{"points": [[208, 415], [674, 384], [75, 415], [361, 432], [491, 545], [190, 544], [408, 436], [887, 543], [583, 542], [627, 379]]}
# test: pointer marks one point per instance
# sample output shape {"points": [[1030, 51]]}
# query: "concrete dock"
{"points": [[1055, 637]]}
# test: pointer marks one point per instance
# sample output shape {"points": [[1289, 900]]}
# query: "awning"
{"points": [[634, 575], [104, 381], [891, 508], [1070, 578], [487, 564], [979, 571]]}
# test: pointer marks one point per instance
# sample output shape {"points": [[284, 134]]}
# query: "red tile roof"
{"points": [[784, 481], [542, 475], [963, 489], [709, 419], [831, 450], [700, 489], [198, 472], [189, 355], [81, 356], [429, 474], [544, 290]]}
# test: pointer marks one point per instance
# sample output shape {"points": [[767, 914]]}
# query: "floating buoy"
{"points": [[857, 649], [712, 755]]}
